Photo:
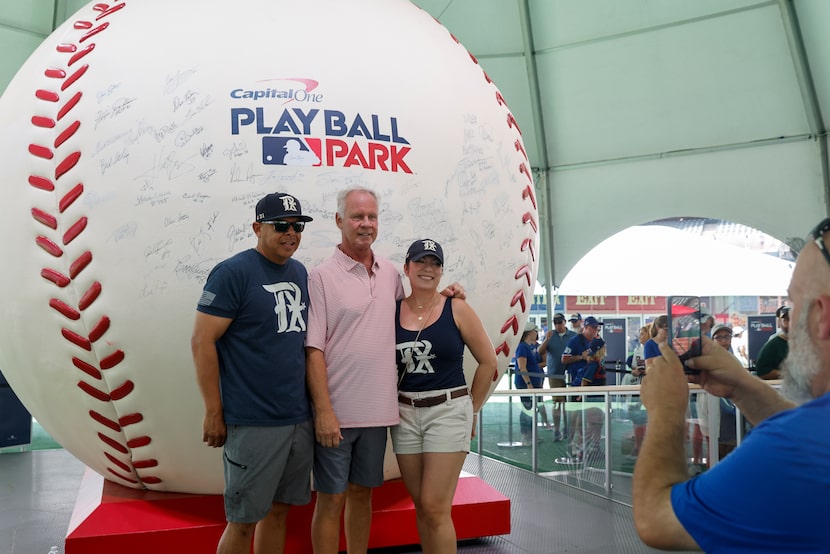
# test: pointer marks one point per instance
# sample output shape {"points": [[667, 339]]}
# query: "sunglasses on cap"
{"points": [[817, 236], [282, 226]]}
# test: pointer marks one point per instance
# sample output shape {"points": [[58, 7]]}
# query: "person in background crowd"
{"points": [[636, 414], [578, 350], [707, 321], [250, 366], [576, 357], [437, 408], [552, 348], [774, 352], [727, 433], [593, 375], [529, 375], [637, 363], [659, 332], [576, 322], [739, 343], [784, 463]]}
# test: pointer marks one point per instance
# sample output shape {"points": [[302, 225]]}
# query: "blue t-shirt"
{"points": [[556, 346], [262, 354], [531, 353], [651, 349], [576, 346], [771, 494], [437, 360]]}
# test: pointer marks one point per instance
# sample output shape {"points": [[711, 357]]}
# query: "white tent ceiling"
{"points": [[638, 259], [638, 110], [631, 110]]}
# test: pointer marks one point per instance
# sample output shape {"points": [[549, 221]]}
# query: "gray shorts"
{"points": [[446, 427], [266, 465], [358, 460]]}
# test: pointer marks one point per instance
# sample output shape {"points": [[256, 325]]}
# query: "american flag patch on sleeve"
{"points": [[207, 298]]}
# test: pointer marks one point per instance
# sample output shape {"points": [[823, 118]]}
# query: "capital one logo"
{"points": [[416, 356], [288, 305]]}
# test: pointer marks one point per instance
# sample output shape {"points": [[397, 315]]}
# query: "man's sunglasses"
{"points": [[817, 236], [282, 226]]}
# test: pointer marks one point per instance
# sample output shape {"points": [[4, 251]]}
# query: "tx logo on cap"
{"points": [[289, 203], [429, 245]]}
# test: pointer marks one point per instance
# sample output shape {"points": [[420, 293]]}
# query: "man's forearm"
{"points": [[206, 362], [661, 464], [317, 380], [757, 400]]}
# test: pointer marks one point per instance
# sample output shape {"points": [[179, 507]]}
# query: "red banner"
{"points": [[591, 303], [644, 304]]}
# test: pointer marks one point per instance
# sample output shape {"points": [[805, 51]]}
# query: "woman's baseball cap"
{"points": [[422, 248]]}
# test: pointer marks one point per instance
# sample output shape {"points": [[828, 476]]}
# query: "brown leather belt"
{"points": [[430, 401]]}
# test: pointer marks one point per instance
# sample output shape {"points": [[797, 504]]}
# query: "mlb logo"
{"points": [[293, 150]]}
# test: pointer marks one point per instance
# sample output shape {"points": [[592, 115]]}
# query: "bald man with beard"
{"points": [[772, 494]]}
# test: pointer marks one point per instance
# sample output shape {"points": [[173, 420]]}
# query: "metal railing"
{"points": [[599, 434]]}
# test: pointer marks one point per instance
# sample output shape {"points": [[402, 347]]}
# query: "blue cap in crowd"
{"points": [[591, 321]]}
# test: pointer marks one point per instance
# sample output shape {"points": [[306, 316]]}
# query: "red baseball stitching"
{"points": [[527, 218], [118, 451]]}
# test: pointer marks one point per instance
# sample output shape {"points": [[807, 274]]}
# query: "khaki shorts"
{"points": [[557, 383], [446, 427]]}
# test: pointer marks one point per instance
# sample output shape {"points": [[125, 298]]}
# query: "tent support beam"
{"points": [[812, 108], [547, 238]]}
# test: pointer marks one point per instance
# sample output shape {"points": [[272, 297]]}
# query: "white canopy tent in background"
{"points": [[631, 111], [661, 261]]}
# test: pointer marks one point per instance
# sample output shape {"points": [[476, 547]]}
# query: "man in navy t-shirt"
{"points": [[578, 350], [248, 349]]}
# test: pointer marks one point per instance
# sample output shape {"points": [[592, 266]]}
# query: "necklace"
{"points": [[407, 357], [421, 308]]}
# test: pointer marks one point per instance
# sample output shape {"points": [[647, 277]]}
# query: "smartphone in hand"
{"points": [[684, 329]]}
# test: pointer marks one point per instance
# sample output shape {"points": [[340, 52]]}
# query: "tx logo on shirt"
{"points": [[413, 353], [289, 307]]}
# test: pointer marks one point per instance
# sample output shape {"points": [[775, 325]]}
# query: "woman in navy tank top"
{"points": [[437, 405]]}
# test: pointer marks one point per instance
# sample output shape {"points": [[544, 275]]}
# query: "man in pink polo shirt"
{"points": [[350, 366], [350, 358]]}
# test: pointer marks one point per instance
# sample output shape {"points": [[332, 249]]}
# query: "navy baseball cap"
{"points": [[596, 344], [422, 248], [591, 321], [575, 317], [279, 205], [558, 316]]}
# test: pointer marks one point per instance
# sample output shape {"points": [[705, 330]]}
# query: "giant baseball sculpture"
{"points": [[137, 140]]}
